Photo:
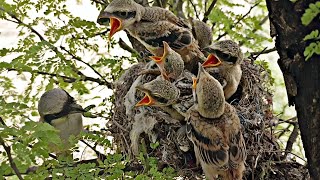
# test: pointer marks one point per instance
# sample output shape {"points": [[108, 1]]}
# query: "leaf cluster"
{"points": [[309, 15]]}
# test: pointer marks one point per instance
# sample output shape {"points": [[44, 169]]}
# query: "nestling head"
{"points": [[120, 14]]}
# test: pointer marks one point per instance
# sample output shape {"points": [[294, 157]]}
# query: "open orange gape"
{"points": [[145, 101], [212, 61], [116, 26]]}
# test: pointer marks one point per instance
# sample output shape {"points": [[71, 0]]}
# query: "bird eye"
{"points": [[160, 99], [225, 56], [123, 14]]}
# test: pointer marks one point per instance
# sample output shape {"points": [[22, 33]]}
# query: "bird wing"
{"points": [[209, 141], [154, 33], [215, 72], [237, 152], [154, 14]]}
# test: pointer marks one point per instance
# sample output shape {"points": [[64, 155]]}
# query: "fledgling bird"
{"points": [[60, 110], [158, 92], [151, 26], [214, 128], [223, 63], [123, 13], [201, 32], [170, 64]]}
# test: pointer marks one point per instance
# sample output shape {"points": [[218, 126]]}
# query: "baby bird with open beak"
{"points": [[214, 128], [151, 26], [124, 13], [223, 63], [170, 64], [158, 92], [60, 110]]}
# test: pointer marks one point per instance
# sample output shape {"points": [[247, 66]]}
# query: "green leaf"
{"points": [[154, 145], [311, 49], [313, 35], [310, 13]]}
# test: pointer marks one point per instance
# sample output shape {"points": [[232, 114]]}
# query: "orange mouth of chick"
{"points": [[115, 26], [145, 101], [156, 59], [212, 61]]}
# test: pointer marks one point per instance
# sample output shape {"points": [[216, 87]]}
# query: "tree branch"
{"points": [[109, 85], [264, 51], [94, 35], [30, 146], [65, 78], [99, 154], [292, 138], [254, 55], [238, 21], [22, 23], [178, 8], [195, 9], [8, 151], [126, 47], [206, 14], [55, 49]]}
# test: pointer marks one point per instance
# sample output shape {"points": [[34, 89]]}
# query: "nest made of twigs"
{"points": [[253, 103]]}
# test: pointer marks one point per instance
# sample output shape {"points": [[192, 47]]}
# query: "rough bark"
{"points": [[302, 78]]}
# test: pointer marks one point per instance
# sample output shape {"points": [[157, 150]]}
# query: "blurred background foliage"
{"points": [[57, 43]]}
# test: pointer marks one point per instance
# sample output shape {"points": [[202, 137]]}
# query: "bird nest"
{"points": [[253, 103]]}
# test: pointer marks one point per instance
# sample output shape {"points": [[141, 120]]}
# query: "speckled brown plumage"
{"points": [[228, 72], [214, 128]]}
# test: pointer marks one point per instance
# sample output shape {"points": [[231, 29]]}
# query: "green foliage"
{"points": [[311, 49], [310, 13], [313, 35], [266, 66], [307, 18], [154, 145]]}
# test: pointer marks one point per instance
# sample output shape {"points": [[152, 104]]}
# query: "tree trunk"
{"points": [[302, 78]]}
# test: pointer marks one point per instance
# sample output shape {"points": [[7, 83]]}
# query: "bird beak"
{"points": [[160, 63], [166, 49], [103, 18], [158, 59], [76, 108], [145, 101], [161, 60], [116, 25], [194, 86], [212, 61], [200, 70], [194, 82]]}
